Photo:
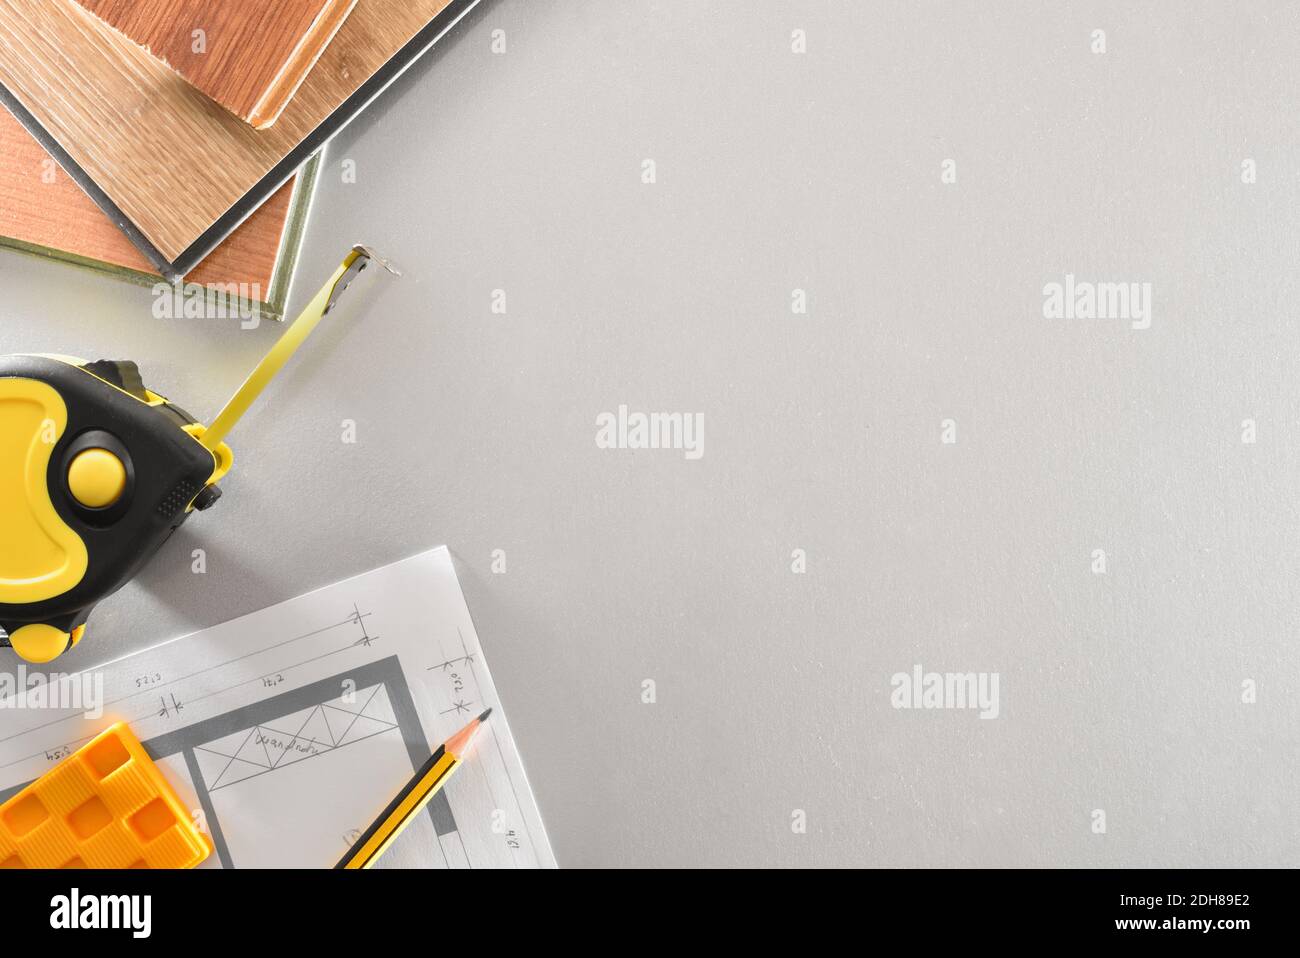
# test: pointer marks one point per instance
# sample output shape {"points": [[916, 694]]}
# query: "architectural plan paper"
{"points": [[290, 729]]}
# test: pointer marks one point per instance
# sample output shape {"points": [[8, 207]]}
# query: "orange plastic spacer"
{"points": [[105, 806]]}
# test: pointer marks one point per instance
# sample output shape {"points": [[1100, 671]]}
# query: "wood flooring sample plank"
{"points": [[166, 155], [41, 206], [248, 55]]}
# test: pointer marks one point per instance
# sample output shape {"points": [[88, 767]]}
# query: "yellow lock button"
{"points": [[96, 478]]}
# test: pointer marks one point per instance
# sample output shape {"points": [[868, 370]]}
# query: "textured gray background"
{"points": [[775, 171]]}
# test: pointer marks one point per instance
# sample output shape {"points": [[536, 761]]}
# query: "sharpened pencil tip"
{"points": [[459, 743]]}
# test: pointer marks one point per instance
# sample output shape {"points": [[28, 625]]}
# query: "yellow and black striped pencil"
{"points": [[425, 784]]}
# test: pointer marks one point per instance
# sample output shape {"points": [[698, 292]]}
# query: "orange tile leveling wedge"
{"points": [[97, 472], [105, 806]]}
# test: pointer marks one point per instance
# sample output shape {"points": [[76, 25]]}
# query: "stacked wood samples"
{"points": [[42, 210], [248, 55], [165, 154]]}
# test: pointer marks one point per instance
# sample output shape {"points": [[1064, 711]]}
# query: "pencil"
{"points": [[425, 784]]}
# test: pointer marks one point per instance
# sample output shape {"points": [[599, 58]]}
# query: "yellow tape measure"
{"points": [[97, 471]]}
